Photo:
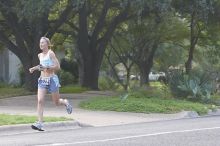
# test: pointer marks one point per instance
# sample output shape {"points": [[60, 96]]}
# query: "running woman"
{"points": [[48, 81]]}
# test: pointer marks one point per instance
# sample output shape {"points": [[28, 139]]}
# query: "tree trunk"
{"points": [[89, 73], [28, 60], [188, 64], [31, 79], [193, 42], [144, 72], [146, 65], [88, 65], [91, 44]]}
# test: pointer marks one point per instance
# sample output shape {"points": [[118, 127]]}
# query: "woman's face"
{"points": [[43, 44]]}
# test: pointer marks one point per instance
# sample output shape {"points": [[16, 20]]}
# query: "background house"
{"points": [[9, 67]]}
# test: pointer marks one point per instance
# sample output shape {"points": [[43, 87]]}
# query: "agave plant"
{"points": [[196, 86]]}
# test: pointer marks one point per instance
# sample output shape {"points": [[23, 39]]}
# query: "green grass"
{"points": [[143, 105], [156, 84], [6, 119], [11, 91], [154, 99]]}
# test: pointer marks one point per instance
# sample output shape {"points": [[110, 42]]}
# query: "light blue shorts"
{"points": [[51, 83]]}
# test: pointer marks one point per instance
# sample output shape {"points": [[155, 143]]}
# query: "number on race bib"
{"points": [[45, 81]]}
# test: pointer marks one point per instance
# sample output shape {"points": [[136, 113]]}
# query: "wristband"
{"points": [[40, 68]]}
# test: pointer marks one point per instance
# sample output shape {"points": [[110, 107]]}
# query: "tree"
{"points": [[196, 11], [172, 50], [92, 41], [22, 23], [146, 38], [119, 52], [97, 21]]}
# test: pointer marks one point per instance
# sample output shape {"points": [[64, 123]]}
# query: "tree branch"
{"points": [[63, 17], [74, 27], [111, 28], [9, 44], [101, 21]]}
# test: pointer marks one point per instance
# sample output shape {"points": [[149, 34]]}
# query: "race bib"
{"points": [[45, 81]]}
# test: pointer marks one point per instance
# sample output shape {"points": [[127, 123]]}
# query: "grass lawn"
{"points": [[10, 92], [6, 119], [143, 105]]}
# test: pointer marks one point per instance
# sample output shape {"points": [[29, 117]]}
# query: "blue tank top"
{"points": [[46, 61]]}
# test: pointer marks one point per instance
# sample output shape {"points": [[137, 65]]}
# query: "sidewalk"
{"points": [[26, 105]]}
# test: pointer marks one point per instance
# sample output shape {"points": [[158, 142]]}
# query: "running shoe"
{"points": [[69, 108], [37, 126]]}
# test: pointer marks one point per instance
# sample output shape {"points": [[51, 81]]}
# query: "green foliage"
{"points": [[42, 16], [66, 78], [71, 67], [215, 99], [11, 91], [143, 105], [32, 10], [58, 41], [57, 8], [21, 119], [197, 85], [202, 7], [156, 91], [171, 51], [210, 51], [107, 83], [167, 55], [143, 6], [72, 89]]}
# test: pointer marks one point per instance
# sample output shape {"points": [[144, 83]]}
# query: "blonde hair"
{"points": [[48, 41]]}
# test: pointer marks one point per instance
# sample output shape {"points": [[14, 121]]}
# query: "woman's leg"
{"points": [[57, 100], [54, 89], [40, 103]]}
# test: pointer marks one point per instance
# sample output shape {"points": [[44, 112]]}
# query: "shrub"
{"points": [[154, 92], [107, 83], [66, 78], [198, 85], [70, 66]]}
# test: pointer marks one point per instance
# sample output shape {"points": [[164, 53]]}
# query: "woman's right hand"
{"points": [[31, 70]]}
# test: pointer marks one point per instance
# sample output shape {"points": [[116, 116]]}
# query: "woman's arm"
{"points": [[56, 64], [37, 67]]}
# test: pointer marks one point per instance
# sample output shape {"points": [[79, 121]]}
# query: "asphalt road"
{"points": [[184, 132]]}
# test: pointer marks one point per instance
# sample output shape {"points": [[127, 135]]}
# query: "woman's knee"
{"points": [[56, 98], [40, 96], [57, 102], [40, 101]]}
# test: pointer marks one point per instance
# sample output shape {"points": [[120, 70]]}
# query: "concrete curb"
{"points": [[194, 114], [47, 125]]}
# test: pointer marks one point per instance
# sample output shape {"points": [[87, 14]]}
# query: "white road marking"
{"points": [[130, 137], [31, 131]]}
